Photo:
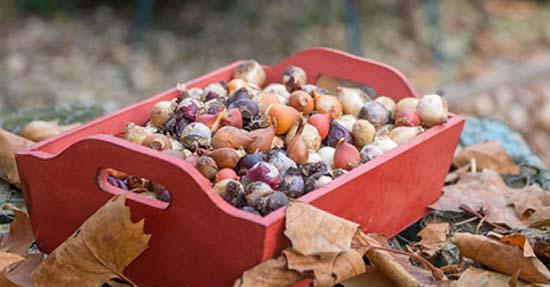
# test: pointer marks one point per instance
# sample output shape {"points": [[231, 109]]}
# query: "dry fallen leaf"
{"points": [[488, 155], [41, 130], [4, 282], [501, 257], [117, 283], [434, 237], [20, 234], [321, 249], [9, 145], [327, 269], [371, 278], [99, 250], [474, 277], [540, 241], [529, 200], [15, 263], [485, 190], [395, 266], [20, 273], [531, 204], [540, 218], [271, 273], [336, 247], [520, 241], [514, 279], [313, 231], [6, 259]]}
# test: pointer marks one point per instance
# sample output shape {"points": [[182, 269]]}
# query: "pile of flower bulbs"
{"points": [[262, 146], [138, 185]]}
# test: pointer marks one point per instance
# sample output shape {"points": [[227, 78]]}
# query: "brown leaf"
{"points": [[20, 235], [485, 190], [20, 273], [540, 218], [514, 279], [41, 130], [520, 241], [501, 257], [394, 266], [4, 282], [434, 237], [529, 200], [271, 273], [474, 277], [328, 269], [16, 267], [330, 261], [6, 259], [541, 244], [117, 283], [321, 249], [313, 231], [371, 278], [488, 155], [99, 250], [9, 145], [532, 205]]}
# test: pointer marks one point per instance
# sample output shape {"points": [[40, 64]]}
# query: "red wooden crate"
{"points": [[199, 239]]}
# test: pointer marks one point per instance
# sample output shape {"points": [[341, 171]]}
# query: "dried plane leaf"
{"points": [[20, 273], [514, 279], [14, 260], [313, 231], [371, 278], [6, 259], [20, 235], [541, 245], [474, 277], [501, 257], [99, 250], [539, 240], [41, 130], [327, 269], [321, 249], [9, 145], [434, 237], [394, 266], [485, 190], [488, 155], [540, 218], [271, 273], [117, 283], [528, 201], [520, 241], [4, 282]]}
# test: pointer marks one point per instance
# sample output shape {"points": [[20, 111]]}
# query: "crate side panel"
{"points": [[191, 238]]}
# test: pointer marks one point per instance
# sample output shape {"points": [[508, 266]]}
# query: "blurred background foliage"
{"points": [[112, 53]]}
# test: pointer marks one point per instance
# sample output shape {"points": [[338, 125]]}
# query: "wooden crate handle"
{"points": [[385, 79]]}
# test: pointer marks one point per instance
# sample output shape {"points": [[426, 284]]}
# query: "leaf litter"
{"points": [[507, 241], [488, 155], [328, 257], [485, 191], [502, 257], [97, 252], [434, 237], [9, 145]]}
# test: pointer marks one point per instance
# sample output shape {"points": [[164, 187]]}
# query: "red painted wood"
{"points": [[200, 240], [385, 79]]}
